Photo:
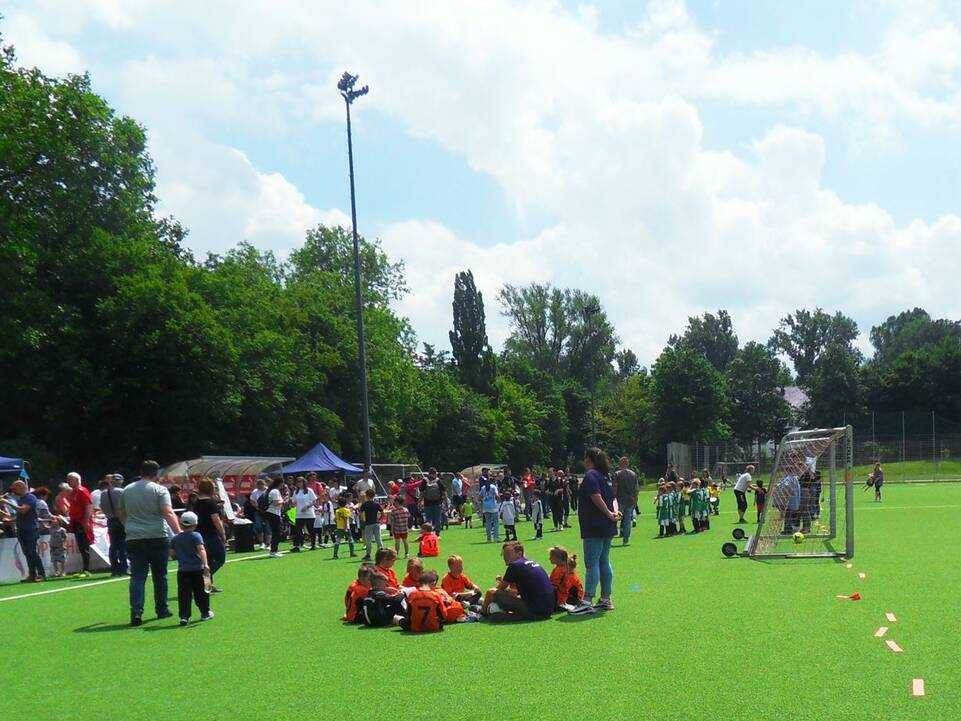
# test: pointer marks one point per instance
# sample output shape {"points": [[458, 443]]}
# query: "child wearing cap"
{"points": [[188, 549]]}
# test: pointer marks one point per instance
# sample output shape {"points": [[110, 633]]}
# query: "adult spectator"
{"points": [[457, 490], [81, 519], [625, 492], [433, 494], [275, 507], [411, 497], [555, 491], [176, 498], [366, 483], [261, 526], [598, 521], [490, 503], [670, 475], [148, 520], [565, 497], [110, 507], [334, 490], [28, 530], [315, 484], [211, 526], [61, 504], [741, 488], [527, 484], [305, 501], [878, 482], [484, 479], [572, 488], [534, 598], [43, 510], [786, 496]]}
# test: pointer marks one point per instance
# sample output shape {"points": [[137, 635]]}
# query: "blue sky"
{"points": [[625, 147]]}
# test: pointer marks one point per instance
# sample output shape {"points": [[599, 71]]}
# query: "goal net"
{"points": [[810, 501]]}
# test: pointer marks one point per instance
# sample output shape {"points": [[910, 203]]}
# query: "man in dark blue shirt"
{"points": [[534, 599], [28, 530]]}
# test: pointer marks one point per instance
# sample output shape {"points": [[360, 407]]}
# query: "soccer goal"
{"points": [[810, 500]]}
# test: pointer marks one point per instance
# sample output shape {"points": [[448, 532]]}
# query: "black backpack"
{"points": [[263, 501], [432, 494]]}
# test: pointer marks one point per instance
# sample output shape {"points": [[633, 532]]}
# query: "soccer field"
{"points": [[694, 635]]}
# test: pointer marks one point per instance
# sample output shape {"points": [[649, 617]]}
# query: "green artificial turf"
{"points": [[694, 635], [949, 469]]}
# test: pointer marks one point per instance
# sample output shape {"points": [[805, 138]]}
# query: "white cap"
{"points": [[188, 519]]}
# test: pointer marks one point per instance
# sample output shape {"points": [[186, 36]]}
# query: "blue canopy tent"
{"points": [[321, 459], [10, 467]]}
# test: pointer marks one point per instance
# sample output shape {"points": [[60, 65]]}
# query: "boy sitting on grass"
{"points": [[425, 607], [457, 584], [357, 592], [379, 606]]}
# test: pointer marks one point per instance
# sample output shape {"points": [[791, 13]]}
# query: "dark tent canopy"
{"points": [[10, 465], [321, 459]]}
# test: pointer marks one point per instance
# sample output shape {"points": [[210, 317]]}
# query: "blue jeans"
{"points": [[492, 525], [216, 553], [261, 527], [627, 522], [28, 538], [118, 546], [597, 560], [144, 554], [434, 515]]}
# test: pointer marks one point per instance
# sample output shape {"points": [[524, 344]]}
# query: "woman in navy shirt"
{"points": [[598, 521]]}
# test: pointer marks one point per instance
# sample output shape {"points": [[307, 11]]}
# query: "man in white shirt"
{"points": [[740, 492]]}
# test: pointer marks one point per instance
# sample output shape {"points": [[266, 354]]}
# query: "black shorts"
{"points": [[741, 500]]}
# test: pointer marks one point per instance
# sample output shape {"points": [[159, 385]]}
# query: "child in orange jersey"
{"points": [[568, 587], [429, 542], [356, 592], [425, 607], [415, 568], [384, 561], [457, 584]]}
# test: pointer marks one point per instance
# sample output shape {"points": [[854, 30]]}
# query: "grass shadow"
{"points": [[103, 628]]}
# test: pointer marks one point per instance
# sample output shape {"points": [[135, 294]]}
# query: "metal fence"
{"points": [[911, 447]]}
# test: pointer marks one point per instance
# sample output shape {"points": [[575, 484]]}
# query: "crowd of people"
{"points": [[148, 525]]}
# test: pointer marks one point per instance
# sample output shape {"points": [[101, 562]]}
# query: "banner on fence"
{"points": [[13, 564]]}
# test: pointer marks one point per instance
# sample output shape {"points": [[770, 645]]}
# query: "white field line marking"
{"points": [[917, 687], [891, 617], [880, 632], [882, 507], [101, 583], [862, 575], [894, 646]]}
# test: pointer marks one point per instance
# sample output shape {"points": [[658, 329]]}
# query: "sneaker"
{"points": [[353, 555], [184, 621], [582, 607], [135, 620], [276, 554], [206, 617], [604, 604], [164, 614], [214, 589], [469, 618], [82, 574], [365, 558], [295, 549], [494, 608]]}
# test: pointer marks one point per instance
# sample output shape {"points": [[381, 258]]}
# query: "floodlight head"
{"points": [[346, 87]]}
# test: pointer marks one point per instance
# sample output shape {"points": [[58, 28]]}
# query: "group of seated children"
{"points": [[675, 501], [419, 605]]}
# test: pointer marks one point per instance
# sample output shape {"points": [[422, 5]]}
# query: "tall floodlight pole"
{"points": [[347, 92], [589, 312]]}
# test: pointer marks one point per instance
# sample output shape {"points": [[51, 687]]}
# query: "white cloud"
{"points": [[35, 47], [600, 132]]}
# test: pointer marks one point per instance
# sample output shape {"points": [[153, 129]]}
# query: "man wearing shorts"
{"points": [[534, 598], [740, 492]]}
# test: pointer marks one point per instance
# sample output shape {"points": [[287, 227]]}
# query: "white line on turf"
{"points": [[101, 583]]}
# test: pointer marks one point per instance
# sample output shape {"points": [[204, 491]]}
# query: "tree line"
{"points": [[119, 344]]}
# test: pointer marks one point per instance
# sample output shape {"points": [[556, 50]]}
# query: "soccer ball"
{"points": [[798, 537]]}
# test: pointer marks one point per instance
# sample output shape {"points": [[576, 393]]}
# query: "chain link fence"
{"points": [[911, 446]]}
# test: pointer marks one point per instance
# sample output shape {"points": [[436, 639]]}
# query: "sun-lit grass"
{"points": [[694, 635]]}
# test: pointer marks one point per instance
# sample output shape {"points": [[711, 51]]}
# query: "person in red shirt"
{"points": [[457, 584], [81, 519], [356, 592]]}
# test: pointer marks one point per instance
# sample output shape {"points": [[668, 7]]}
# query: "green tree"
{"points": [[834, 387], [711, 337], [908, 331], [471, 351], [627, 421], [755, 382], [690, 398], [804, 336]]}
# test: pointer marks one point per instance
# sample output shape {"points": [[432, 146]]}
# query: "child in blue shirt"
{"points": [[188, 548]]}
